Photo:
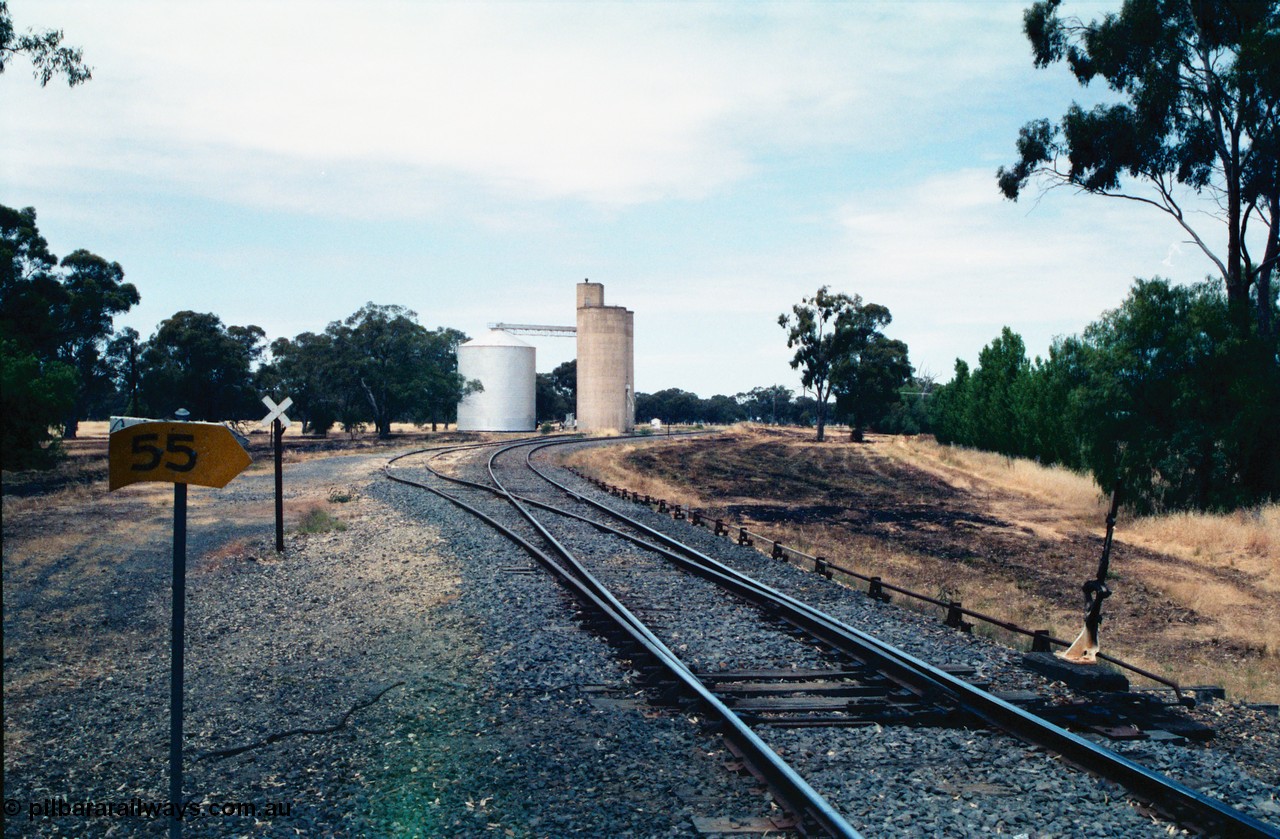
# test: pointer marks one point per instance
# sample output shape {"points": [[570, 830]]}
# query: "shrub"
{"points": [[318, 520]]}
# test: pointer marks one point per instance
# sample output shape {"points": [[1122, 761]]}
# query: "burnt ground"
{"points": [[960, 542]]}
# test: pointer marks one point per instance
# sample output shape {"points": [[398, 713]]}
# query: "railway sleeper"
{"points": [[1124, 716], [809, 688], [923, 716]]}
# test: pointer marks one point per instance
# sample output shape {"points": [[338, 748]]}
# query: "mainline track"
{"points": [[931, 688]]}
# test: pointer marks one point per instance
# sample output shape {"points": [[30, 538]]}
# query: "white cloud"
{"points": [[953, 260], [610, 103]]}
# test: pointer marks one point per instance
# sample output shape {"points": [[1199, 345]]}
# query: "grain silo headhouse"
{"points": [[504, 365], [606, 363]]}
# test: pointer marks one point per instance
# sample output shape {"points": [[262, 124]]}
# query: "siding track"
{"points": [[762, 658]]}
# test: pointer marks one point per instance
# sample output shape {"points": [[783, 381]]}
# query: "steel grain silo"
{"points": [[505, 366], [606, 363]]}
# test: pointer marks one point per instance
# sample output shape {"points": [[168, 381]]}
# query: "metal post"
{"points": [[277, 431], [176, 648]]}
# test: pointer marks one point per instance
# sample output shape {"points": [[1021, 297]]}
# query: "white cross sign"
{"points": [[276, 411]]}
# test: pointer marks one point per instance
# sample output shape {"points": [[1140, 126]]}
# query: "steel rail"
{"points": [[1175, 799], [792, 791]]}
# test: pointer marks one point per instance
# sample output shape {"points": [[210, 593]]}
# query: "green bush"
{"points": [[318, 520]]}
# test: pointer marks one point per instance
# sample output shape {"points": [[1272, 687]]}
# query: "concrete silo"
{"points": [[505, 366], [606, 363]]}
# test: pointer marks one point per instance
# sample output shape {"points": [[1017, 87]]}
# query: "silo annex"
{"points": [[504, 365]]}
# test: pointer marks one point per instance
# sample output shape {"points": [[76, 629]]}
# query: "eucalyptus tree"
{"points": [[124, 359], [59, 312], [307, 368], [818, 330], [402, 370], [869, 378], [721, 409], [48, 56], [444, 385], [94, 293], [830, 334], [767, 404], [194, 361], [556, 393], [672, 405], [1198, 84]]}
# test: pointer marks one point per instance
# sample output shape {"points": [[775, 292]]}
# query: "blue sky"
{"points": [[282, 163]]}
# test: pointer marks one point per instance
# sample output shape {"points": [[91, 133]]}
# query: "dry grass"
{"points": [[608, 463], [1231, 573], [1076, 495], [1246, 540], [317, 519]]}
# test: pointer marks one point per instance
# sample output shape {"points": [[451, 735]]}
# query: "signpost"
{"points": [[181, 453], [202, 453], [277, 421]]}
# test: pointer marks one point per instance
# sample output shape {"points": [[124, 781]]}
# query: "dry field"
{"points": [[1194, 597]]}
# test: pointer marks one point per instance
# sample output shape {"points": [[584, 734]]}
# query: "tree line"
{"points": [[849, 370], [778, 405], [1160, 399], [773, 405], [61, 361]]}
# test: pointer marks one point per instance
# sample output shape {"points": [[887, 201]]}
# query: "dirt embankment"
{"points": [[946, 532]]}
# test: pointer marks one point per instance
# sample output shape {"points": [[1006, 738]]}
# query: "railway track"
{"points": [[760, 662]]}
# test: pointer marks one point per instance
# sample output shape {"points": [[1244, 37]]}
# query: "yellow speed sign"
{"points": [[202, 453]]}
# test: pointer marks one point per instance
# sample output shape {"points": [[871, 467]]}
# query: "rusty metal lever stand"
{"points": [[1084, 650]]}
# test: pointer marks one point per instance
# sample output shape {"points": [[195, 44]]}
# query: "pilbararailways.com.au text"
{"points": [[136, 808]]}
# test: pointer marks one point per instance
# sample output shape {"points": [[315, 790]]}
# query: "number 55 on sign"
{"points": [[202, 453]]}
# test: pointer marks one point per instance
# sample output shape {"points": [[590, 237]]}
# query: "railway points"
{"points": [[924, 696]]}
